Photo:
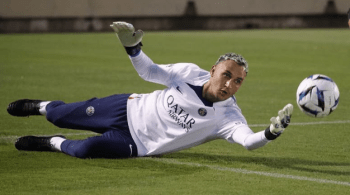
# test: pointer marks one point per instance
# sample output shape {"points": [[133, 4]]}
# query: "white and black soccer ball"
{"points": [[317, 96]]}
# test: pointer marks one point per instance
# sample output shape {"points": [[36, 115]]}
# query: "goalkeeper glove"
{"points": [[279, 123], [130, 39]]}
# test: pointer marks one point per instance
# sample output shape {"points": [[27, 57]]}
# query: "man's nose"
{"points": [[228, 84]]}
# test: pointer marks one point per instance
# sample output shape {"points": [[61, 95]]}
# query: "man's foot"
{"points": [[33, 143], [24, 107]]}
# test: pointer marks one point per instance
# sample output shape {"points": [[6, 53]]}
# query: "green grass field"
{"points": [[311, 157]]}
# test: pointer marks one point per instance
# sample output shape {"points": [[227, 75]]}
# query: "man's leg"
{"points": [[97, 114], [112, 144], [106, 115]]}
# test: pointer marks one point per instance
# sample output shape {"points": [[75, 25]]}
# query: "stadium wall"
{"points": [[17, 16]]}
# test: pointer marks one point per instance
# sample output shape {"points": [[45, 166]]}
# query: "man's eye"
{"points": [[238, 81]]}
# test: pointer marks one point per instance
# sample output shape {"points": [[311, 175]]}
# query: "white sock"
{"points": [[43, 105], [56, 142]]}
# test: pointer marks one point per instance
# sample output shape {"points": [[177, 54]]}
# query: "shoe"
{"points": [[33, 143], [24, 107]]}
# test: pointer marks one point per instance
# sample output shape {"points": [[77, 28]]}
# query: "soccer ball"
{"points": [[317, 96]]}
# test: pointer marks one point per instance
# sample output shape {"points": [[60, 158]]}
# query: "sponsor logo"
{"points": [[238, 123], [178, 88], [130, 149], [90, 111], [179, 115], [170, 65]]}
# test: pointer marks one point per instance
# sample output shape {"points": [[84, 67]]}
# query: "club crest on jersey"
{"points": [[202, 111], [90, 111]]}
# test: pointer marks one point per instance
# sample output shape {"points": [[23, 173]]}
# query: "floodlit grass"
{"points": [[75, 67]]}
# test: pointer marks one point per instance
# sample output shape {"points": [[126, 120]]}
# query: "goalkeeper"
{"points": [[196, 107]]}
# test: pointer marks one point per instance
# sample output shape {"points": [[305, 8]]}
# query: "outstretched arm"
{"points": [[130, 39], [145, 67], [251, 140]]}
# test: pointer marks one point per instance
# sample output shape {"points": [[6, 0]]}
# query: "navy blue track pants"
{"points": [[106, 116]]}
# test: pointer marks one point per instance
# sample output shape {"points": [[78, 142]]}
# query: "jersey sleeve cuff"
{"points": [[269, 135], [133, 51]]}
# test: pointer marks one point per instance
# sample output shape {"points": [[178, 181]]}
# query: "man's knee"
{"points": [[100, 147], [52, 113], [93, 147], [78, 148], [82, 154]]}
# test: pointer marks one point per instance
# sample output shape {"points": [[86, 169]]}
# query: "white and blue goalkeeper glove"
{"points": [[279, 123], [129, 38]]}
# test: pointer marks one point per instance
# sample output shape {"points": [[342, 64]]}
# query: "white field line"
{"points": [[244, 171], [235, 170], [306, 123], [13, 137]]}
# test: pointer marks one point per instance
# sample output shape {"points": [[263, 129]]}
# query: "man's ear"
{"points": [[212, 70]]}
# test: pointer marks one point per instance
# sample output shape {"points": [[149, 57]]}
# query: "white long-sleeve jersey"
{"points": [[176, 118]]}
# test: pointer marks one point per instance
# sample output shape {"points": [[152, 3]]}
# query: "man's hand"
{"points": [[279, 123], [126, 34]]}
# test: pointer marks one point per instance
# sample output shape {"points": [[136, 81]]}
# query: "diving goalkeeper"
{"points": [[197, 106]]}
